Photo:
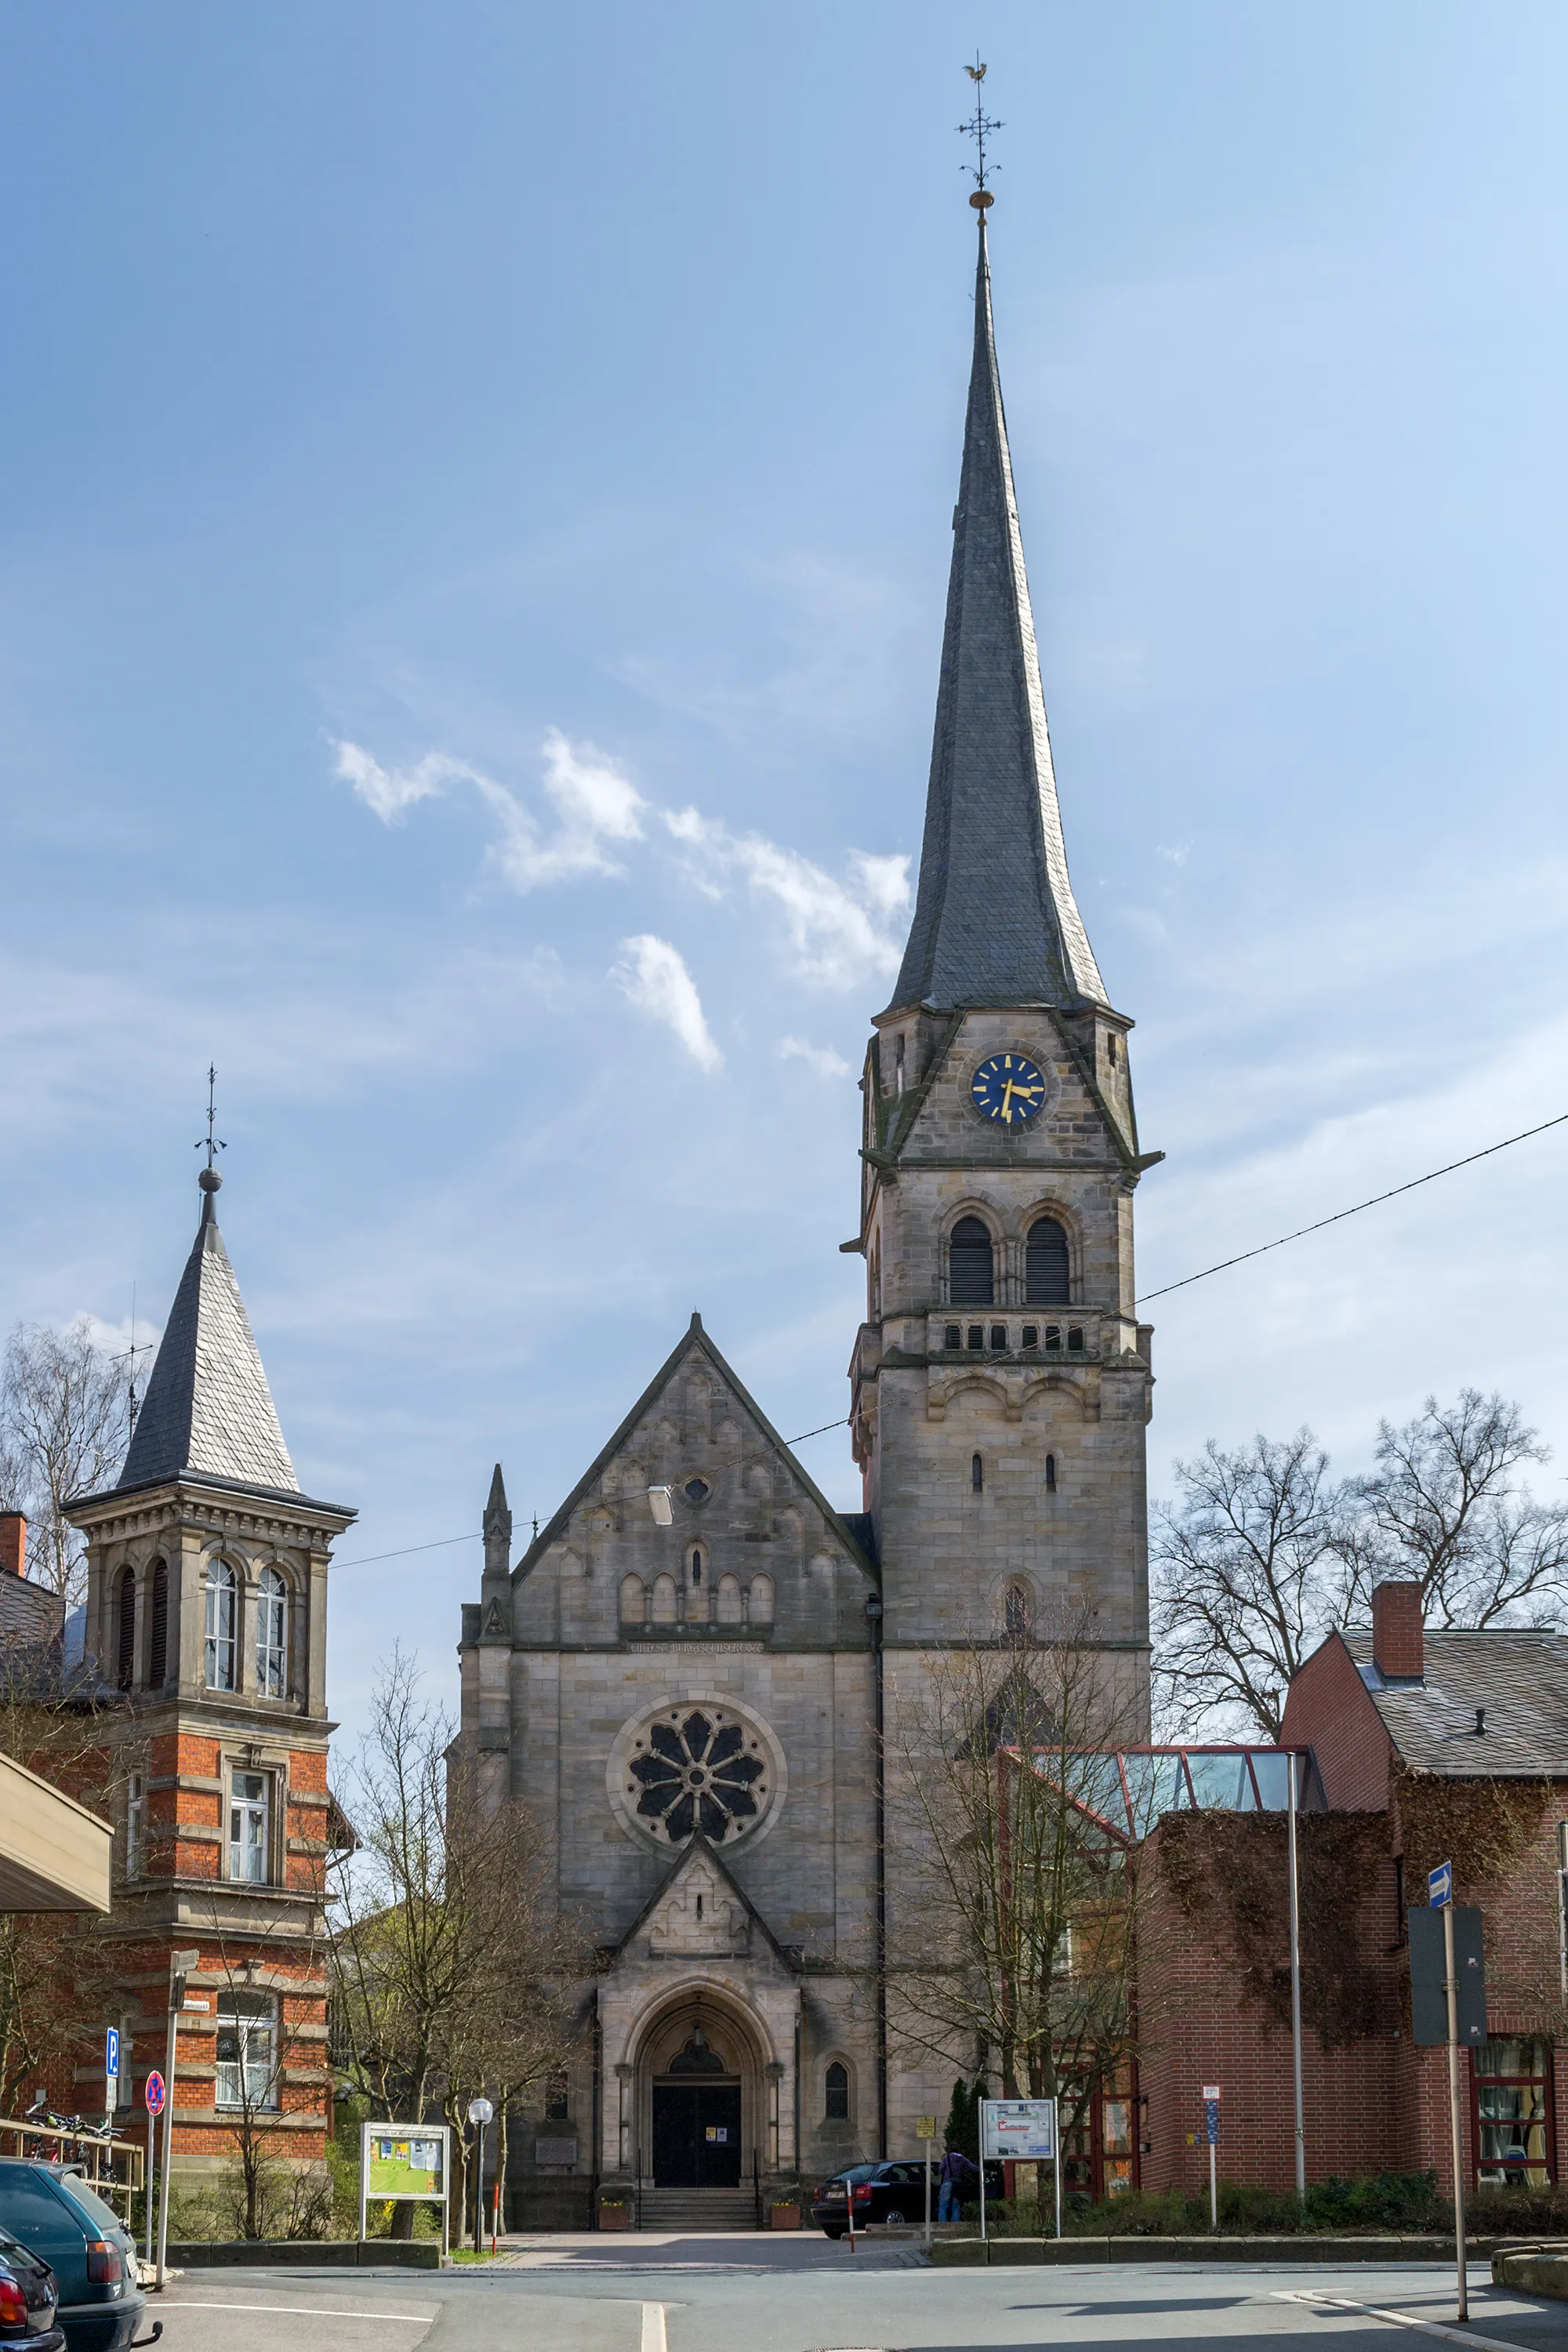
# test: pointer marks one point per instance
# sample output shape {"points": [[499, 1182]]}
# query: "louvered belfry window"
{"points": [[1045, 1275], [158, 1632], [126, 1662], [971, 1280]]}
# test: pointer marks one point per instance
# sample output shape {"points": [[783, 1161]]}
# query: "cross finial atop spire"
{"points": [[979, 128], [209, 1179]]}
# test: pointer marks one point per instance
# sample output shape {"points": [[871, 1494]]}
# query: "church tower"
{"points": [[1001, 1381]]}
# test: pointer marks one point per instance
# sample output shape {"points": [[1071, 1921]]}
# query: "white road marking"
{"points": [[652, 2334], [307, 2311], [1394, 2319]]}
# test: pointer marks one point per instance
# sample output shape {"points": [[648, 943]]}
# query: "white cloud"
{"points": [[836, 928], [391, 791], [594, 803], [841, 932], [821, 1057], [656, 979]]}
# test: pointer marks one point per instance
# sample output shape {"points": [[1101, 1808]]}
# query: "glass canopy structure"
{"points": [[1128, 1789]]}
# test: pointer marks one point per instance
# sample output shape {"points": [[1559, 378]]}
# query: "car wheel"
{"points": [[894, 2215]]}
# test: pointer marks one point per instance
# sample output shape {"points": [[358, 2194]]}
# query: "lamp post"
{"points": [[1292, 1760], [479, 2113]]}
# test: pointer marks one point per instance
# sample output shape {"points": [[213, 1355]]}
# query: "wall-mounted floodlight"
{"points": [[661, 1506]]}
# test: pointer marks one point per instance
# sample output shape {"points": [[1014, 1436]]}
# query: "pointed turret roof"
{"points": [[995, 922], [208, 1410]]}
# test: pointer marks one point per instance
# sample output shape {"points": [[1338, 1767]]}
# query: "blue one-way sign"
{"points": [[1440, 1885]]}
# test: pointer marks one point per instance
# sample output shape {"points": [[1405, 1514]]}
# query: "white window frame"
{"points": [[221, 1631], [251, 2079], [250, 1827], [273, 1635]]}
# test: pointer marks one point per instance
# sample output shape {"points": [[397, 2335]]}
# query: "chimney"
{"points": [[13, 1543], [1396, 1646]]}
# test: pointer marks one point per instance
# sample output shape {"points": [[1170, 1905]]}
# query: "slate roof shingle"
{"points": [[995, 922], [1517, 1674], [208, 1407]]}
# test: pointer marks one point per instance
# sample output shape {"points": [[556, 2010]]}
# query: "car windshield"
{"points": [[103, 2217]]}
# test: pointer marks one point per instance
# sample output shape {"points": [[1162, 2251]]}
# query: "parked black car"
{"points": [[56, 2216], [882, 2193], [27, 2299]]}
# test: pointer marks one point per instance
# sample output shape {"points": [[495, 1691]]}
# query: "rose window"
{"points": [[698, 1769]]}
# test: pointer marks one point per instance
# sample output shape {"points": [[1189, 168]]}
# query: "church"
{"points": [[687, 1674]]}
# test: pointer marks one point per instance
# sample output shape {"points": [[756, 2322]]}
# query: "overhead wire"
{"points": [[1339, 1215], [443, 1543]]}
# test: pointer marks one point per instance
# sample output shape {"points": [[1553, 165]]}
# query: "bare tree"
{"points": [[451, 1966], [1263, 1553], [1017, 1867], [1445, 1507], [63, 1429], [1246, 1574]]}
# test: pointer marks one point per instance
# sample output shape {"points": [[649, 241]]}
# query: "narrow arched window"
{"points": [[976, 1471], [125, 1630], [634, 1601], [971, 1280], [1050, 1474], [222, 1596], [272, 1634], [664, 1599], [836, 2092], [1047, 1275], [731, 1608], [158, 1628], [1018, 1610], [760, 1601], [696, 1565]]}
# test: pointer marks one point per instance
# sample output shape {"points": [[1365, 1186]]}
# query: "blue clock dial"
{"points": [[1009, 1088]]}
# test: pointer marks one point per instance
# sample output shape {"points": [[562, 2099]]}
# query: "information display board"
{"points": [[1025, 2129], [405, 2160]]}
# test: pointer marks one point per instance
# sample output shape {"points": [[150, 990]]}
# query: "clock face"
{"points": [[1009, 1088]]}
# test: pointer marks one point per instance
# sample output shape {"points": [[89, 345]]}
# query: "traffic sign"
{"points": [[111, 2068], [1210, 2091], [925, 2127], [1429, 1976], [154, 2093], [1211, 2122], [1440, 1885]]}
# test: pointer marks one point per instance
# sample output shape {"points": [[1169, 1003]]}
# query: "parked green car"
{"points": [[67, 2224]]}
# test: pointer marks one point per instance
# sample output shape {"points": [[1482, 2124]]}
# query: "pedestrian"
{"points": [[954, 2167]]}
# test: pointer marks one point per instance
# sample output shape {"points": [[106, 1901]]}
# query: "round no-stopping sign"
{"points": [[154, 2093]]}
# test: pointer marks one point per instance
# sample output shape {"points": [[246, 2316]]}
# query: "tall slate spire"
{"points": [[208, 1410], [995, 922]]}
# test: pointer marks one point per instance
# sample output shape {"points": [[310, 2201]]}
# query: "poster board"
{"points": [[1022, 2128], [406, 2162]]}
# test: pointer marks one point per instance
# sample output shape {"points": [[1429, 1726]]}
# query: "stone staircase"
{"points": [[697, 2212]]}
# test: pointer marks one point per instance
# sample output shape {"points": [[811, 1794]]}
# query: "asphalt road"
{"points": [[742, 2295]]}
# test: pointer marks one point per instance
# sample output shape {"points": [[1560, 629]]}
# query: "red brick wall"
{"points": [[1330, 1710]]}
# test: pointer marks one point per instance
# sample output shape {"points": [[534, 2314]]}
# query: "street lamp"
{"points": [[662, 1503], [479, 2113]]}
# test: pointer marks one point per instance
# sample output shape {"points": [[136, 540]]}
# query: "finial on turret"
{"points": [[209, 1179], [979, 130]]}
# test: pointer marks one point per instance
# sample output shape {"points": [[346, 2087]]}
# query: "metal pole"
{"points": [[1452, 1988], [1214, 2188], [168, 2140], [983, 2104], [1296, 1988], [151, 2127], [928, 2192]]}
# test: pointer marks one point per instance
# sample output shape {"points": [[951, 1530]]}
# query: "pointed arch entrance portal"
{"points": [[696, 2122]]}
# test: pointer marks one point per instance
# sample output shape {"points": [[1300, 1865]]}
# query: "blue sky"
{"points": [[561, 410]]}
